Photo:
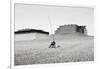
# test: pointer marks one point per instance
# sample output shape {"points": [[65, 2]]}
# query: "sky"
{"points": [[36, 17]]}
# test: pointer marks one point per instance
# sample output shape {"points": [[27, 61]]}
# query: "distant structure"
{"points": [[30, 34], [71, 29], [22, 31]]}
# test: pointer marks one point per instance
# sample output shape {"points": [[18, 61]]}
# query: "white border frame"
{"points": [[12, 18]]}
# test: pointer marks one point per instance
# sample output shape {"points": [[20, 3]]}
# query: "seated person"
{"points": [[53, 44]]}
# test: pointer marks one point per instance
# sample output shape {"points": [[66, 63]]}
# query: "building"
{"points": [[30, 34]]}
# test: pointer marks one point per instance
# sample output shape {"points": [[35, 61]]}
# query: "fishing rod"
{"points": [[51, 28]]}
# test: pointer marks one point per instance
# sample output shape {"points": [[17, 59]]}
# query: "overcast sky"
{"points": [[36, 17]]}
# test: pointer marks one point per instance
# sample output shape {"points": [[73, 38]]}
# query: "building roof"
{"points": [[23, 31]]}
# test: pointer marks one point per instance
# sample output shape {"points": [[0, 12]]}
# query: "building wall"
{"points": [[29, 36], [41, 36], [23, 37]]}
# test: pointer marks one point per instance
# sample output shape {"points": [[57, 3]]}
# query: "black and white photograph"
{"points": [[45, 34]]}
